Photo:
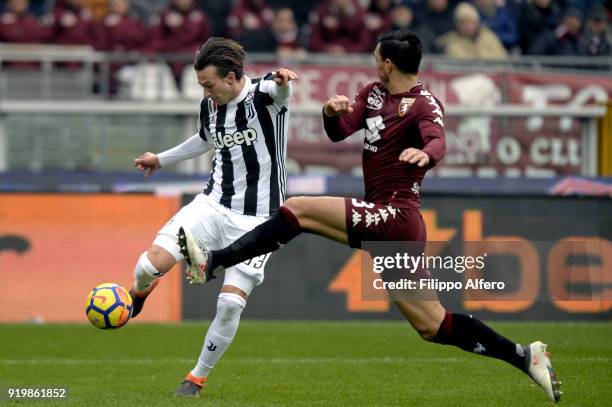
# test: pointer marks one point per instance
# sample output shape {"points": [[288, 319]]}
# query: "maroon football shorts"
{"points": [[368, 221]]}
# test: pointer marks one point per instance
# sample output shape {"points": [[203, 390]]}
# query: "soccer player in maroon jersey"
{"points": [[404, 137]]}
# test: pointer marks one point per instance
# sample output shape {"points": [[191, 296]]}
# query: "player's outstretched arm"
{"points": [[341, 117], [190, 148]]}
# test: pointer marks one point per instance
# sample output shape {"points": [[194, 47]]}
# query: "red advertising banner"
{"points": [[477, 145], [55, 248], [318, 82]]}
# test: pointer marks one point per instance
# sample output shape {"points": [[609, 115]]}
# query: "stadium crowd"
{"points": [[478, 29]]}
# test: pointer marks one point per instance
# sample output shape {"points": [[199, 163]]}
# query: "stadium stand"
{"points": [[128, 54]]}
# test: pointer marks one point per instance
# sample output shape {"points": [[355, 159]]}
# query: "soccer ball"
{"points": [[109, 306]]}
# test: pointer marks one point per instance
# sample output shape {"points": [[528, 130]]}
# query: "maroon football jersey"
{"points": [[390, 124]]}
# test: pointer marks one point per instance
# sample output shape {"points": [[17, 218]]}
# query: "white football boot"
{"points": [[197, 257], [540, 370]]}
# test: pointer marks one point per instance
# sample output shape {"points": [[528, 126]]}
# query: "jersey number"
{"points": [[257, 262], [362, 204]]}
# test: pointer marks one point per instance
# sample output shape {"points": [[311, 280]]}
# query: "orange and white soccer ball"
{"points": [[109, 306]]}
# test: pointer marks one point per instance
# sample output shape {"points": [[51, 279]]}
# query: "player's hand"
{"points": [[414, 156], [148, 162], [337, 105], [283, 76]]}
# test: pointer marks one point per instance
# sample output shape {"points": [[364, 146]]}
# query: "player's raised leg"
{"points": [[150, 267], [435, 324], [323, 215]]}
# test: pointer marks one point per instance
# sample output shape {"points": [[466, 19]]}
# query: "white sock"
{"points": [[145, 273], [220, 333]]}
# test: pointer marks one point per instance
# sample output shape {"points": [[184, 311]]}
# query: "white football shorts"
{"points": [[217, 226]]}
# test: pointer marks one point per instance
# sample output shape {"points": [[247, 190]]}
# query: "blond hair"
{"points": [[465, 11]]}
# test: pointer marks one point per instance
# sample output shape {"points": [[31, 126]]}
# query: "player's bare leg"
{"points": [[221, 332], [435, 324], [424, 316], [320, 215], [150, 266]]}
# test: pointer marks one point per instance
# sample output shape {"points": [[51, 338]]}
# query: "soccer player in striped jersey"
{"points": [[245, 120], [403, 128]]}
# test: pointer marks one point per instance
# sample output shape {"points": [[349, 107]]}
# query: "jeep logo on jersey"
{"points": [[240, 137]]}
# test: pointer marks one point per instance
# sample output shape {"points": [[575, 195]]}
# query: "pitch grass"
{"points": [[299, 364]]}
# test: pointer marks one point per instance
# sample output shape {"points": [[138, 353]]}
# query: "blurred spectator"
{"points": [[378, 19], [217, 11], [180, 28], [337, 26], [287, 33], [564, 40], [536, 17], [495, 15], [19, 26], [73, 24], [119, 30], [402, 17], [248, 15], [471, 40], [282, 37], [596, 33], [301, 9], [438, 16]]}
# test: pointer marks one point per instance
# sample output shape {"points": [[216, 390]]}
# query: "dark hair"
{"points": [[403, 48], [225, 54]]}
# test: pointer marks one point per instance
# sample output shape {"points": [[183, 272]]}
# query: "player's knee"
{"points": [[161, 259], [229, 306], [298, 205], [144, 265]]}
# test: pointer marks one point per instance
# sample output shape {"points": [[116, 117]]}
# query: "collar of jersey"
{"points": [[415, 89], [243, 92]]}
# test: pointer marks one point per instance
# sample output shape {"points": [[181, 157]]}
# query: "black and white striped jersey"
{"points": [[250, 138]]}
